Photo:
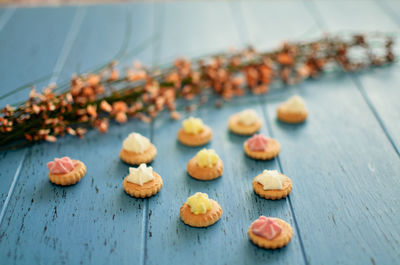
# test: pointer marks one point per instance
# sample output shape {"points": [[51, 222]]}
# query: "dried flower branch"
{"points": [[93, 99]]}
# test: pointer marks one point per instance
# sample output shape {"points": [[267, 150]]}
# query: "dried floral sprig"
{"points": [[93, 99]]}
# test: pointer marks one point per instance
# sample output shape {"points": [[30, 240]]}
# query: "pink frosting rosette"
{"points": [[266, 227], [257, 143], [61, 165]]}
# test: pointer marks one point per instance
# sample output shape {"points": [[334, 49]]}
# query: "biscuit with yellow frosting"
{"points": [[244, 123], [194, 132], [292, 111], [277, 188], [200, 211], [142, 182], [206, 165], [137, 149]]}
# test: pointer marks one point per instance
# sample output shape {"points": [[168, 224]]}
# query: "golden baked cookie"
{"points": [[206, 165], [199, 211], [244, 123], [291, 117], [279, 240], [271, 148], [194, 132], [148, 189], [191, 139], [293, 110], [133, 158], [65, 171], [273, 194], [137, 149]]}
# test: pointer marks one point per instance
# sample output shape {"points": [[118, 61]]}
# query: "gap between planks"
{"points": [[312, 9], [243, 34], [158, 15]]}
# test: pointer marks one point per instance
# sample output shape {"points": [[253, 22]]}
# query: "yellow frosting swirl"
{"points": [[193, 125], [206, 158], [199, 203]]}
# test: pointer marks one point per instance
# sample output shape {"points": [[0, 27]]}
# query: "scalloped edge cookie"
{"points": [[273, 149], [204, 173], [147, 190], [200, 139], [280, 241], [201, 220], [69, 178], [238, 128], [133, 158], [273, 194], [287, 116]]}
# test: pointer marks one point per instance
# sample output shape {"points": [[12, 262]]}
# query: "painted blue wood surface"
{"points": [[29, 63], [344, 206], [380, 97], [115, 207]]}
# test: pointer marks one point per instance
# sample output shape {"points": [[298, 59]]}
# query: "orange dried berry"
{"points": [[121, 117], [113, 75], [91, 110], [119, 106], [284, 58], [93, 79]]}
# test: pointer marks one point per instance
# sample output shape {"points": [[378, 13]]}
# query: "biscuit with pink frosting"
{"points": [[65, 171], [261, 148], [270, 233]]}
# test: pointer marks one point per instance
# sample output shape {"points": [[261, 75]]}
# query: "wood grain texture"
{"points": [[226, 242], [233, 190], [111, 31], [87, 222], [93, 221], [16, 33], [339, 156], [195, 28], [381, 96], [269, 24], [347, 172], [343, 167], [38, 44]]}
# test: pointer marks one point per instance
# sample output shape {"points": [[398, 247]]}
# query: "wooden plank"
{"points": [[269, 24], [380, 86], [38, 45], [91, 222], [85, 223], [186, 33], [168, 238], [16, 33], [127, 31]]}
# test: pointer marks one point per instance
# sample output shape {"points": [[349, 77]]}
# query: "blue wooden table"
{"points": [[344, 161]]}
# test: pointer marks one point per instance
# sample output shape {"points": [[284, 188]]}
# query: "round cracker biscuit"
{"points": [[279, 241], [201, 220]]}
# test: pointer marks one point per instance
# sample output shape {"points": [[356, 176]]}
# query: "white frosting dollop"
{"points": [[271, 180], [295, 104], [137, 143], [140, 175], [248, 117]]}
